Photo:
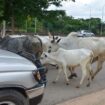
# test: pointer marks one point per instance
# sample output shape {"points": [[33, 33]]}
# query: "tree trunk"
{"points": [[4, 29], [13, 24]]}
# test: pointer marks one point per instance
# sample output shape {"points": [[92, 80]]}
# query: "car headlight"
{"points": [[37, 75]]}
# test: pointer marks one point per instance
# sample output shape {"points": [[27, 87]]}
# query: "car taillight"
{"points": [[37, 75]]}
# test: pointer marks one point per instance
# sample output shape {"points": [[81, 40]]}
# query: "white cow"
{"points": [[70, 58], [47, 41], [97, 45]]}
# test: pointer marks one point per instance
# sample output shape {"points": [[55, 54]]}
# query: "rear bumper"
{"points": [[35, 91]]}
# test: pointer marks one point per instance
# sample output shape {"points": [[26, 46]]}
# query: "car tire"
{"points": [[36, 100], [12, 97], [84, 35]]}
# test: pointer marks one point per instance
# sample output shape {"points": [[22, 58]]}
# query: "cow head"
{"points": [[46, 59], [54, 40]]}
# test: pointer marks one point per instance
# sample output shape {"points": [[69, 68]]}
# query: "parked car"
{"points": [[85, 33], [19, 80]]}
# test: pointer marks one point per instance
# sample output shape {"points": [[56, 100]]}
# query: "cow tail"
{"points": [[91, 61], [92, 57]]}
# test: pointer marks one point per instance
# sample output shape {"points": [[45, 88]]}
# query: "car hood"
{"points": [[12, 62]]}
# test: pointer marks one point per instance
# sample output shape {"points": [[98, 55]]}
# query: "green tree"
{"points": [[15, 9]]}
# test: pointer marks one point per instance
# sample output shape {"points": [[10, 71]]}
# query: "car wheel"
{"points": [[12, 97], [36, 100], [84, 35]]}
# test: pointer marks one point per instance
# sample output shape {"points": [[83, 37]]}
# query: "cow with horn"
{"points": [[72, 41], [27, 46]]}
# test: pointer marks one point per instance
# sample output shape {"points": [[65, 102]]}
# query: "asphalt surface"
{"points": [[60, 92], [96, 98]]}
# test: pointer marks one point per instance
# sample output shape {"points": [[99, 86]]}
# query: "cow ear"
{"points": [[49, 51], [58, 40], [45, 56], [56, 37]]}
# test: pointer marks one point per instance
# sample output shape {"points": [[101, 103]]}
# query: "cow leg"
{"points": [[84, 74], [90, 73], [99, 67], [65, 73], [57, 77]]}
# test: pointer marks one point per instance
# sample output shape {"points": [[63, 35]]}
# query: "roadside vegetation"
{"points": [[33, 17]]}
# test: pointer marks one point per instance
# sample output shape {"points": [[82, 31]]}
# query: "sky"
{"points": [[83, 8]]}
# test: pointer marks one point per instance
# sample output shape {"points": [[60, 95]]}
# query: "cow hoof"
{"points": [[88, 85], [57, 67], [77, 86], [92, 77], [73, 75], [70, 77], [54, 82], [67, 83]]}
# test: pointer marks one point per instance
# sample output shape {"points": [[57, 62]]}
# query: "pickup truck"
{"points": [[19, 80]]}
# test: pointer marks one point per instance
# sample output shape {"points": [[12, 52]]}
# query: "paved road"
{"points": [[60, 92], [96, 98]]}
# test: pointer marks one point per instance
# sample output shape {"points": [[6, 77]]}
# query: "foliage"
{"points": [[13, 10], [22, 14], [23, 8], [65, 24]]}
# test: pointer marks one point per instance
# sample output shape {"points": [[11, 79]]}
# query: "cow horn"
{"points": [[53, 38], [49, 34]]}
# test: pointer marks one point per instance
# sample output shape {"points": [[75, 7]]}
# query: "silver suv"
{"points": [[19, 80], [85, 33]]}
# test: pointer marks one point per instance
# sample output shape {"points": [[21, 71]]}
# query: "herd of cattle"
{"points": [[65, 52]]}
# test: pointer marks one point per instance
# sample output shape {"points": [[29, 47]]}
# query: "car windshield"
{"points": [[87, 31]]}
